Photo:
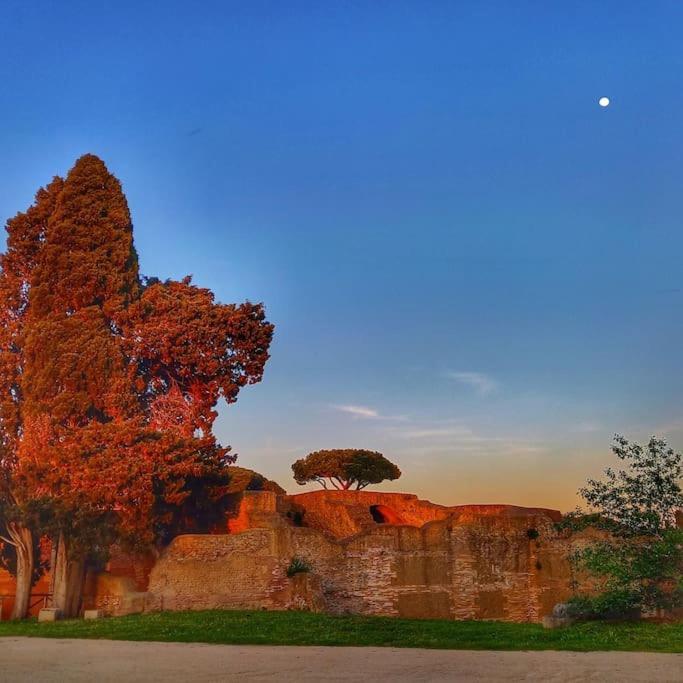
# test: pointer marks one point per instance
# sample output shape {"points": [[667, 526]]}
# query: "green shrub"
{"points": [[640, 562], [298, 566], [642, 573], [612, 604]]}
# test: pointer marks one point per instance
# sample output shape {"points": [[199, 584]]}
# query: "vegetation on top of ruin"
{"points": [[307, 628], [345, 468], [298, 565], [243, 479]]}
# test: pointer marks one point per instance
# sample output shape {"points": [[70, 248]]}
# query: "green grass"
{"points": [[303, 628]]}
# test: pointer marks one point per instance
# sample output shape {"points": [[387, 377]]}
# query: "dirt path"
{"points": [[34, 659]]}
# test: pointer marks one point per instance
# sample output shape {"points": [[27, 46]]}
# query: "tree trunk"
{"points": [[69, 574], [23, 542], [59, 574]]}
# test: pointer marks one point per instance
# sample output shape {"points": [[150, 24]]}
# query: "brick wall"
{"points": [[465, 562], [475, 567]]}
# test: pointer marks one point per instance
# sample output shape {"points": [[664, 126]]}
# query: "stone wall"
{"points": [[469, 566], [369, 552], [122, 587]]}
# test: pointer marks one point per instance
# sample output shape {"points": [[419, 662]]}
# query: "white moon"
{"points": [[604, 101]]}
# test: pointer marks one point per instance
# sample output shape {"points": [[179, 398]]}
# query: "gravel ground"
{"points": [[36, 659]]}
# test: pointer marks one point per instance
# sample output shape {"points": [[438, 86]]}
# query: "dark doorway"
{"points": [[385, 515], [377, 514]]}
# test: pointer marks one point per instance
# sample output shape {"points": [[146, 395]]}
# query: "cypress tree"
{"points": [[76, 377], [109, 383]]}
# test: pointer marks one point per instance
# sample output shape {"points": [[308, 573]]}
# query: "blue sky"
{"points": [[472, 267]]}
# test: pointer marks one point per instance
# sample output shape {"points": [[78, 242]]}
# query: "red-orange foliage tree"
{"points": [[25, 237], [119, 379]]}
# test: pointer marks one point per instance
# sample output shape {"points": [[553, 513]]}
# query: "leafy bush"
{"points": [[298, 566], [614, 604], [643, 573], [640, 563]]}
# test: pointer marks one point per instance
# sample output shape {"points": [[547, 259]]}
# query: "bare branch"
{"points": [[4, 539]]}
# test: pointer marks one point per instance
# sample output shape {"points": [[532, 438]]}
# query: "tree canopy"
{"points": [[345, 468], [644, 497], [108, 381]]}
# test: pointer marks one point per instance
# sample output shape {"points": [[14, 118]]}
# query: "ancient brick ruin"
{"points": [[368, 553]]}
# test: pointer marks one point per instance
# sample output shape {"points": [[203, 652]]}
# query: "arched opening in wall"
{"points": [[385, 515]]}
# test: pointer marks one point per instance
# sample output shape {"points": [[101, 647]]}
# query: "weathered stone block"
{"points": [[561, 609], [49, 614], [426, 569], [491, 604], [410, 570], [424, 605]]}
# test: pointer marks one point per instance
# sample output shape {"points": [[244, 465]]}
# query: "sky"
{"points": [[472, 266]]}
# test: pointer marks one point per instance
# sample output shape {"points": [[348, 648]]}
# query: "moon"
{"points": [[604, 101]]}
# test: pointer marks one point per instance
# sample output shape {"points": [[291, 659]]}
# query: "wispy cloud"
{"points": [[454, 437], [481, 383], [366, 413], [358, 411]]}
